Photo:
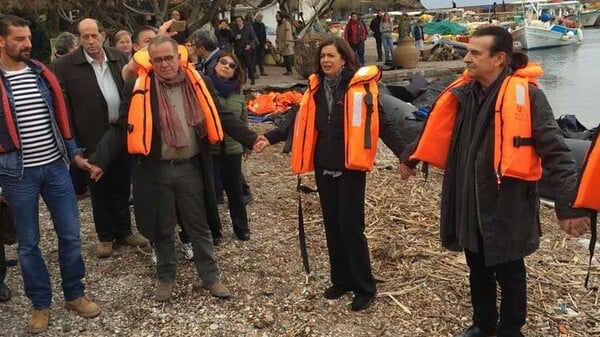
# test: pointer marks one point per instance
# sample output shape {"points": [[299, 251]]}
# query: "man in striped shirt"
{"points": [[36, 144]]}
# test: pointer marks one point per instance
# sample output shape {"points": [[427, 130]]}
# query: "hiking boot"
{"points": [[104, 249], [133, 240], [164, 290], [217, 289], [84, 307], [38, 322], [186, 249]]}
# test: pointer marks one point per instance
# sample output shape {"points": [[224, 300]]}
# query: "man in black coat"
{"points": [[491, 216], [261, 34], [244, 45], [91, 79], [375, 27]]}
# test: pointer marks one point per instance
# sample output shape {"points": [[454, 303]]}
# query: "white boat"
{"points": [[535, 37], [586, 18], [532, 33]]}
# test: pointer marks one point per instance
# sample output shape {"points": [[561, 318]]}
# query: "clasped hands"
{"points": [[260, 144], [94, 170]]}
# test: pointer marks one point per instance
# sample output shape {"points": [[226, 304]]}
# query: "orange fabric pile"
{"points": [[274, 102]]}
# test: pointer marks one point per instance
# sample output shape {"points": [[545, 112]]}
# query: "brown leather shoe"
{"points": [[163, 291], [84, 307], [133, 240], [38, 322], [217, 289], [104, 249]]}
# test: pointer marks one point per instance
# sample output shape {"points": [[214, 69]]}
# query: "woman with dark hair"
{"points": [[224, 35], [228, 79], [335, 134]]}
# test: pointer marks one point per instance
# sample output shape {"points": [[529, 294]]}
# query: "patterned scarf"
{"points": [[172, 131]]}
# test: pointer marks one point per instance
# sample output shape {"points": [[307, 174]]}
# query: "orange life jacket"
{"points": [[139, 122], [514, 154], [588, 193], [361, 123]]}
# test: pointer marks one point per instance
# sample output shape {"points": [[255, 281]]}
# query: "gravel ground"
{"points": [[423, 290]]}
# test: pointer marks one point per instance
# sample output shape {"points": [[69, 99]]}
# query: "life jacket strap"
{"points": [[592, 246], [369, 103], [519, 141], [301, 233]]}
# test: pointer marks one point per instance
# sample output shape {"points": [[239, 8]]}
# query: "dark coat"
{"points": [[508, 214], [375, 26], [85, 101], [145, 168], [248, 38], [329, 150]]}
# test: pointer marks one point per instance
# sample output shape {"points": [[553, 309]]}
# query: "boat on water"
{"points": [[587, 18], [544, 25]]}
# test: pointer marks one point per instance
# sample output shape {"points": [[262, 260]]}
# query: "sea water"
{"points": [[571, 78]]}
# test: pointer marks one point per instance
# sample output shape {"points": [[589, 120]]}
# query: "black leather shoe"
{"points": [[217, 241], [243, 236], [264, 74], [334, 292], [361, 301], [5, 293], [287, 73], [475, 331]]}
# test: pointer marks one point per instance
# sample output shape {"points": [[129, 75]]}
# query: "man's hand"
{"points": [[81, 162], [260, 144], [405, 171], [163, 30], [95, 172], [575, 226]]}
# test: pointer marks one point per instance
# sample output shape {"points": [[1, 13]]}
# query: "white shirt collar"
{"points": [[91, 60]]}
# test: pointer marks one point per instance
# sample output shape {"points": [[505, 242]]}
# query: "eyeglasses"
{"points": [[231, 65], [160, 60]]}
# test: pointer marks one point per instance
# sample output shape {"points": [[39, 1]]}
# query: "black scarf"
{"points": [[474, 121], [224, 87]]}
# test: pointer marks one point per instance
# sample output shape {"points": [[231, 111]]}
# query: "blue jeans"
{"points": [[53, 183]]}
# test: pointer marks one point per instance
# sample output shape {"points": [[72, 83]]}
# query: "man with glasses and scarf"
{"points": [[173, 167]]}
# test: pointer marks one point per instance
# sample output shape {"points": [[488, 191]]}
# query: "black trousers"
{"points": [[110, 201], [259, 52], [229, 169], [247, 60], [378, 44], [342, 203], [512, 279]]}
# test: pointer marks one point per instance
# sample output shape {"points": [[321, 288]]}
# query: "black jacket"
{"points": [[329, 150], [86, 104], [375, 26], [508, 214], [145, 168]]}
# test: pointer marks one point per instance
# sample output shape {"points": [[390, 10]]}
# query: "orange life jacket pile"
{"points": [[274, 102]]}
